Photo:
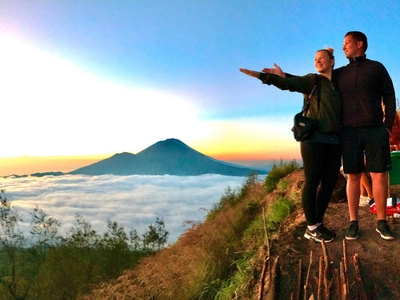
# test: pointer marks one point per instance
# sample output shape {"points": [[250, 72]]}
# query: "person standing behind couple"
{"points": [[321, 174], [364, 86]]}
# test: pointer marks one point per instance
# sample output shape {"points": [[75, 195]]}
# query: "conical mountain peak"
{"points": [[170, 156]]}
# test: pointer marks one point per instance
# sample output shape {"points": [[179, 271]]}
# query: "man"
{"points": [[365, 87], [364, 84]]}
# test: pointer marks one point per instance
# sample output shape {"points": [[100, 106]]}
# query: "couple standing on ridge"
{"points": [[351, 124]]}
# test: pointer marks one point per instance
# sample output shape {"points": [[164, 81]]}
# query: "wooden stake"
{"points": [[266, 240], [345, 268], [299, 279], [327, 283], [361, 293], [337, 284], [272, 289], [308, 276], [262, 279], [266, 265], [343, 281], [320, 278]]}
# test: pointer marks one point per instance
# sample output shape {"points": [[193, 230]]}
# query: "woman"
{"points": [[321, 153]]}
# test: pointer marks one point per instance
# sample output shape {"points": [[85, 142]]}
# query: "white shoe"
{"points": [[364, 200]]}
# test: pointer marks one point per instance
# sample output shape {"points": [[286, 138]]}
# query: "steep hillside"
{"points": [[229, 257], [171, 157]]}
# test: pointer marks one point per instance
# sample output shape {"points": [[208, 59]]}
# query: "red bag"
{"points": [[392, 207]]}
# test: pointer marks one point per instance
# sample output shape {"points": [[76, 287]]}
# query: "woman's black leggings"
{"points": [[321, 162]]}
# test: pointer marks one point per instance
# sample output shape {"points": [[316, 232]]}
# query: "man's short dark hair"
{"points": [[359, 36]]}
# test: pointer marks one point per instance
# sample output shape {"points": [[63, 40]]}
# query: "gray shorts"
{"points": [[371, 142]]}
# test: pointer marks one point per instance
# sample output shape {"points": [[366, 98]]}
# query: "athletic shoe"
{"points": [[318, 235], [384, 230], [327, 230], [352, 232]]}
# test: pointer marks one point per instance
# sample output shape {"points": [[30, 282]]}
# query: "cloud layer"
{"points": [[132, 201]]}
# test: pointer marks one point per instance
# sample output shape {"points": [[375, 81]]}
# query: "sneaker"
{"points": [[352, 232], [318, 235], [384, 230], [327, 230]]}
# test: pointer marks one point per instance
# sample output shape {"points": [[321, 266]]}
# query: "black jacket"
{"points": [[326, 112], [363, 85]]}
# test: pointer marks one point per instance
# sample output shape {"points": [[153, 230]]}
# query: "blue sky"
{"points": [[101, 77]]}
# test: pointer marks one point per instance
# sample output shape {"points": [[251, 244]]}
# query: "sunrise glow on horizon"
{"points": [[39, 164]]}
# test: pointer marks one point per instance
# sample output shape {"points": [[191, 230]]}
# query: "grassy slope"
{"points": [[221, 258]]}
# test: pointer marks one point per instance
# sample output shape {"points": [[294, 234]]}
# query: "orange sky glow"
{"points": [[29, 165]]}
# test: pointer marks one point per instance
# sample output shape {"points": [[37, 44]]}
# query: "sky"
{"points": [[87, 79], [134, 201]]}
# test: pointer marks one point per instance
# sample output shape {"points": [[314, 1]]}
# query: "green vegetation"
{"points": [[282, 185], [231, 197], [278, 211], [278, 172], [49, 266]]}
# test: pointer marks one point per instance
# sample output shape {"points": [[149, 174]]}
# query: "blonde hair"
{"points": [[328, 50]]}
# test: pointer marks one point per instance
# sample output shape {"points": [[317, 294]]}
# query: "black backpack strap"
{"points": [[317, 87]]}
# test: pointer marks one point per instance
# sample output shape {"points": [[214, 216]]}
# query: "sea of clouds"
{"points": [[133, 201]]}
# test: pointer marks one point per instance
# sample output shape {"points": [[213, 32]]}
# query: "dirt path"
{"points": [[379, 263]]}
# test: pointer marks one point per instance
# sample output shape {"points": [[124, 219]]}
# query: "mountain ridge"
{"points": [[170, 156]]}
